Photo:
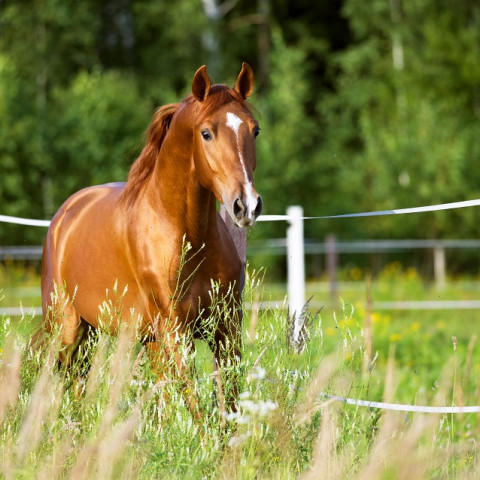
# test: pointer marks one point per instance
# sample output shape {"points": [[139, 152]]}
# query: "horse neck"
{"points": [[174, 187]]}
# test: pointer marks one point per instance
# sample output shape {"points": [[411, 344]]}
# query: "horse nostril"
{"points": [[238, 208], [259, 207]]}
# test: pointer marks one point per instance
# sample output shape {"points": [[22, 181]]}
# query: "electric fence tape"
{"points": [[24, 221], [401, 211], [402, 407], [276, 218]]}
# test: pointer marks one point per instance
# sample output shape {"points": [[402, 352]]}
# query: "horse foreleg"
{"points": [[66, 331], [227, 358], [170, 365], [69, 327]]}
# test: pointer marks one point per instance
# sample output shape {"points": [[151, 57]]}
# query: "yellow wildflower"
{"points": [[395, 337], [415, 326], [330, 331]]}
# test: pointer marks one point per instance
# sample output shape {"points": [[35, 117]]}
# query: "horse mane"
{"points": [[144, 165]]}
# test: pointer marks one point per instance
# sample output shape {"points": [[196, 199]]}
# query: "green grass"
{"points": [[125, 425]]}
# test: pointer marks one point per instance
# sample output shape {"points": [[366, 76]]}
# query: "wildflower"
{"points": [[330, 331], [237, 440], [265, 407], [412, 274], [258, 373], [238, 418], [415, 326], [261, 408], [137, 383], [395, 337], [356, 274]]}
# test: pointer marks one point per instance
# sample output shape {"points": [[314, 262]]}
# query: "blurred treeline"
{"points": [[362, 105]]}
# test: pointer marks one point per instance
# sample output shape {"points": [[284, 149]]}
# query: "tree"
{"points": [[363, 105], [403, 123]]}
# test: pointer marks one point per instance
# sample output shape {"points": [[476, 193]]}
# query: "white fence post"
{"points": [[295, 266]]}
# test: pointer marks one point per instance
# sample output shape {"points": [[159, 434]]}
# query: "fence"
{"points": [[333, 248], [21, 253], [295, 248]]}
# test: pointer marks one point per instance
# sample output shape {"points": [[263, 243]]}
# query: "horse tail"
{"points": [[143, 166]]}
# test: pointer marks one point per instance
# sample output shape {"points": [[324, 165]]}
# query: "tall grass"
{"points": [[119, 421]]}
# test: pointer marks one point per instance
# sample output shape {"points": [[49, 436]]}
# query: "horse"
{"points": [[158, 237]]}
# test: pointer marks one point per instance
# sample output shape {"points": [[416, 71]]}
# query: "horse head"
{"points": [[224, 134]]}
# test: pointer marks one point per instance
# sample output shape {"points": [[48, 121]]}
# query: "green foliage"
{"points": [[406, 132], [169, 46], [100, 119], [363, 106], [286, 128]]}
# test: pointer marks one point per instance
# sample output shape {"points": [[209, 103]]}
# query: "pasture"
{"points": [[121, 423]]}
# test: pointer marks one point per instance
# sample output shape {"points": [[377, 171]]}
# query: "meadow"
{"points": [[120, 422]]}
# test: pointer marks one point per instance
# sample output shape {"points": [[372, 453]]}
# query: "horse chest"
{"points": [[186, 286], [210, 279]]}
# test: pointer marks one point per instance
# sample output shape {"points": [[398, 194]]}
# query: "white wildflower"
{"points": [[261, 408], [237, 440], [265, 407], [137, 383], [238, 418], [258, 373]]}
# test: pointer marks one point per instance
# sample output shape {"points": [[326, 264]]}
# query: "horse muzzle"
{"points": [[246, 210]]}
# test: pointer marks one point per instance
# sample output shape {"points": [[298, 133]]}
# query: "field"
{"points": [[121, 423]]}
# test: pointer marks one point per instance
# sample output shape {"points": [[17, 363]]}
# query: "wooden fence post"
{"points": [[332, 262], [439, 267]]}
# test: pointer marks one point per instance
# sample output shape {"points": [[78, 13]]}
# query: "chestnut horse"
{"points": [[131, 235]]}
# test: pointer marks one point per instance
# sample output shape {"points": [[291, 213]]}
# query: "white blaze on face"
{"points": [[234, 123]]}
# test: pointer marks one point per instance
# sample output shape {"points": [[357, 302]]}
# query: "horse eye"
{"points": [[207, 136], [256, 131]]}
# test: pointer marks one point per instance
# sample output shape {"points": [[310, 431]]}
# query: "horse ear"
{"points": [[201, 84], [245, 82]]}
